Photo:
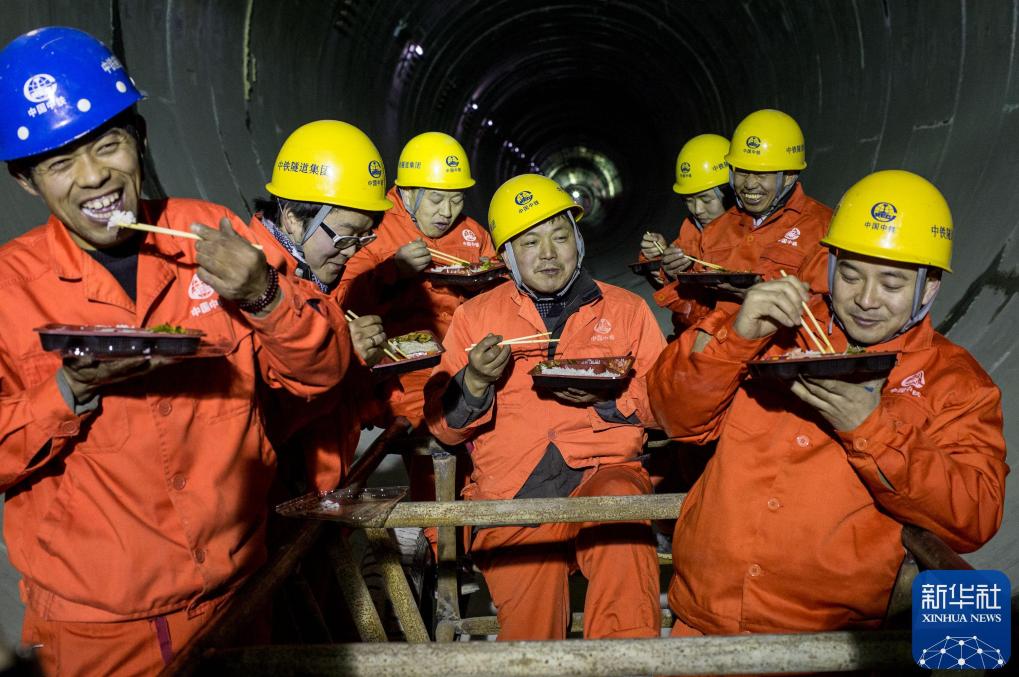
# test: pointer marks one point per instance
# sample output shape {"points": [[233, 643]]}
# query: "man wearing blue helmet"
{"points": [[136, 487]]}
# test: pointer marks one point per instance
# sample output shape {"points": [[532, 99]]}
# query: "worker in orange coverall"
{"points": [[136, 487], [796, 524], [774, 226], [528, 442], [702, 179], [385, 278], [325, 203]]}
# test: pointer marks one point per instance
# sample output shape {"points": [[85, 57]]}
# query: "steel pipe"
{"points": [[740, 654]]}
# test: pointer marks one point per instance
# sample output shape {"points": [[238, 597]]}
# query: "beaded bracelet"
{"points": [[263, 301]]}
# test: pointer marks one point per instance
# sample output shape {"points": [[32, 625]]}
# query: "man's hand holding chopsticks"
{"points": [[652, 245], [770, 305], [412, 258], [485, 364], [230, 265], [368, 337], [675, 261]]}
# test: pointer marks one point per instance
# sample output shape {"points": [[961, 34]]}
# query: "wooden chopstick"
{"points": [[448, 257], [394, 347], [148, 228], [658, 245], [351, 315], [516, 342], [706, 264], [817, 326]]}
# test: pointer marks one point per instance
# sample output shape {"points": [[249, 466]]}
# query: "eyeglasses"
{"points": [[342, 242]]}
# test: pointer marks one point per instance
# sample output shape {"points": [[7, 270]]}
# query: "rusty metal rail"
{"points": [[520, 511], [741, 654]]}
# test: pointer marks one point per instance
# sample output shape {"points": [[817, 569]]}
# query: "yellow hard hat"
{"points": [[330, 162], [701, 164], [767, 140], [434, 160], [894, 215], [525, 201]]}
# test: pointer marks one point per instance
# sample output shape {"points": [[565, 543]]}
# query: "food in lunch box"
{"points": [[415, 343], [464, 269], [167, 328]]}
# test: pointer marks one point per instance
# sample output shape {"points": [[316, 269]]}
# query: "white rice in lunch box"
{"points": [[414, 348], [587, 372]]}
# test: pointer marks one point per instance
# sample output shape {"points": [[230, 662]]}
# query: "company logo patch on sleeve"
{"points": [[962, 620]]}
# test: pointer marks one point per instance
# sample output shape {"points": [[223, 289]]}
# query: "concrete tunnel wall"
{"points": [[929, 86]]}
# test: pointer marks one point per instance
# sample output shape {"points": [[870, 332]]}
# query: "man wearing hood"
{"points": [[532, 443]]}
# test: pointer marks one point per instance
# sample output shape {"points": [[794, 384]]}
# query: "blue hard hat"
{"points": [[57, 84]]}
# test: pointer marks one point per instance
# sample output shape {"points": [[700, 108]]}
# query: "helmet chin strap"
{"points": [[917, 313], [413, 211], [315, 222], [514, 268], [721, 198], [781, 191]]}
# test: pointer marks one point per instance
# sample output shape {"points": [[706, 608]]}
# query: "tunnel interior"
{"points": [[600, 95]]}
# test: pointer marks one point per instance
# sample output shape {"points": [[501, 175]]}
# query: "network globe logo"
{"points": [[40, 88], [523, 197], [753, 142], [961, 653], [375, 169], [452, 161], [962, 619], [884, 212]]}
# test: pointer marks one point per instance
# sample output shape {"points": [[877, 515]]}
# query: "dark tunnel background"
{"points": [[601, 92]]}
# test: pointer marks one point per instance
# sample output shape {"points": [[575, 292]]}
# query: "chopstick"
{"points": [[168, 231], [351, 316], [658, 245], [817, 326], [449, 257], [706, 264], [522, 340]]}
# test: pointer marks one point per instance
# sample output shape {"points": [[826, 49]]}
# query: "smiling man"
{"points": [[136, 488], [532, 443], [796, 524], [773, 226]]}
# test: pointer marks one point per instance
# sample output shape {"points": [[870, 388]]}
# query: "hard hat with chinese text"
{"points": [[894, 215], [57, 84], [767, 140], [330, 162], [525, 201], [434, 160]]}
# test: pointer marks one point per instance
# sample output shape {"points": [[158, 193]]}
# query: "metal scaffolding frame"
{"points": [[830, 651]]}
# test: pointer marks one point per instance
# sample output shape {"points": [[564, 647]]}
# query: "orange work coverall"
{"points": [[326, 430], [152, 506], [371, 285], [783, 241], [526, 568], [796, 527]]}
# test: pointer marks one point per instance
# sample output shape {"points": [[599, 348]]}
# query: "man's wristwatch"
{"points": [[263, 301]]}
